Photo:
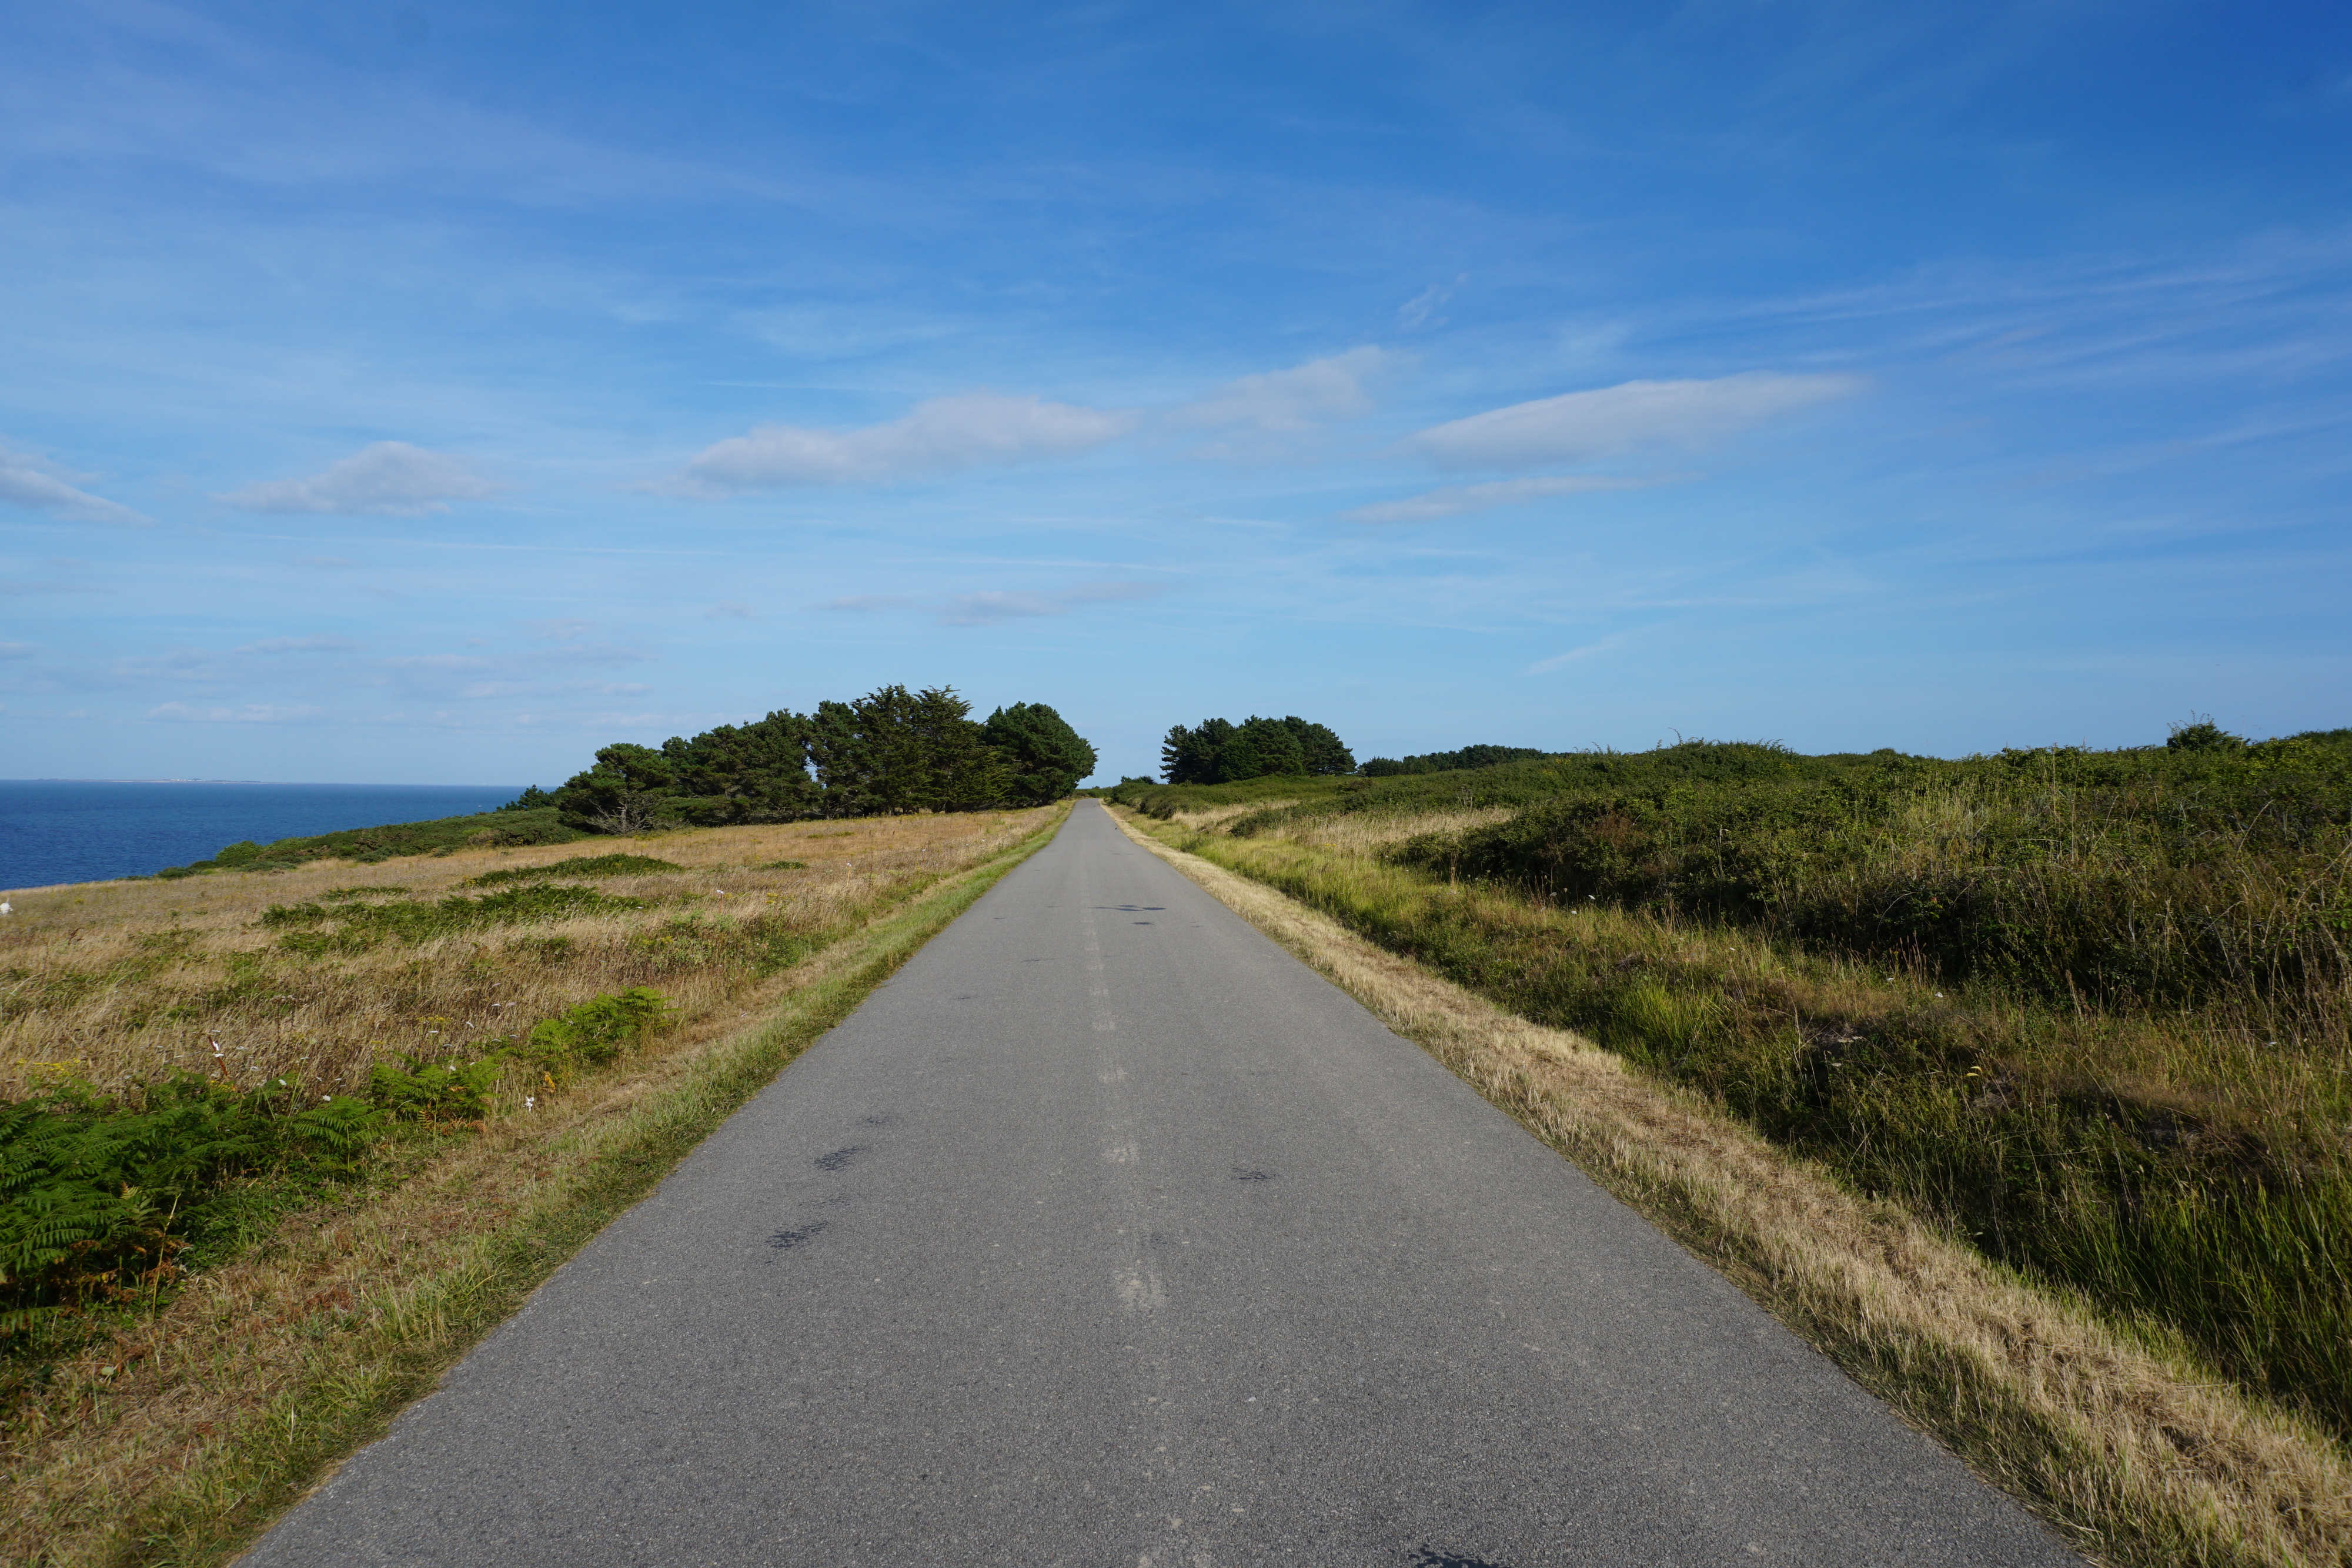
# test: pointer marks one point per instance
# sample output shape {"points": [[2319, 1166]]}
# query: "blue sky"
{"points": [[415, 392]]}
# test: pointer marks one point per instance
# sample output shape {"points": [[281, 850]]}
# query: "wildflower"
{"points": [[530, 1101]]}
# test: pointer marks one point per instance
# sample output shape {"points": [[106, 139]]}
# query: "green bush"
{"points": [[420, 1091], [353, 927], [505, 826], [97, 1199], [578, 865], [594, 1032], [2137, 878]]}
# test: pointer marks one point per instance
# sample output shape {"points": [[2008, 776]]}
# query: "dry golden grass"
{"points": [[1363, 832], [117, 984], [1209, 816], [174, 1439], [2139, 1456]]}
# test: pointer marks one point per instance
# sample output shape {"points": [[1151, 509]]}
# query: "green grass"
{"points": [[2087, 1009], [350, 1392], [350, 926], [578, 865], [104, 1201], [371, 845]]}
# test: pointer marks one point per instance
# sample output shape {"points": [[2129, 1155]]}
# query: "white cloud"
{"points": [[1611, 421], [388, 477], [251, 713], [567, 631], [28, 481], [17, 649], [1455, 499], [971, 430], [987, 607], [300, 645], [437, 662], [1279, 403]]}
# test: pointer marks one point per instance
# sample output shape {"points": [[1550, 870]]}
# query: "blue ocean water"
{"points": [[55, 831]]}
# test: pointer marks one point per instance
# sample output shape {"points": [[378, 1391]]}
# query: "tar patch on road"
{"points": [[786, 1240], [1427, 1556], [839, 1159]]}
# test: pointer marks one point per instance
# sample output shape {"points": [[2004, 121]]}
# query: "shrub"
{"points": [[354, 928], [578, 865], [96, 1199]]}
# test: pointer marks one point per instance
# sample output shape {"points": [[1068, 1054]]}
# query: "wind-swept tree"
{"points": [[1192, 756], [1326, 754], [1260, 748], [629, 790], [755, 772], [895, 750], [891, 750], [1047, 757], [1217, 752]]}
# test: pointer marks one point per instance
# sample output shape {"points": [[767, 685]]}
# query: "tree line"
{"points": [[890, 751], [1447, 761], [1217, 751]]}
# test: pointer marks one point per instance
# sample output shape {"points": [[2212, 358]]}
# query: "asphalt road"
{"points": [[1105, 1233]]}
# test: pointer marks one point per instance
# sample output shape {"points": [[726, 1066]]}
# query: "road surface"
{"points": [[1107, 1233]]}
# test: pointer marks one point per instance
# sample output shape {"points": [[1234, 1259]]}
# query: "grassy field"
{"points": [[159, 1411], [2087, 1011]]}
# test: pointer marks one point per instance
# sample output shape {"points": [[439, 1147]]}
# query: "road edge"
{"points": [[212, 1512], [2124, 1454]]}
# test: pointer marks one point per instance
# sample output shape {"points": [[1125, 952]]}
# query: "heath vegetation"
{"points": [[166, 1045], [277, 1147], [2089, 1011], [2124, 1442]]}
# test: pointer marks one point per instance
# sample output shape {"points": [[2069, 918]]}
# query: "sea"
{"points": [[85, 830]]}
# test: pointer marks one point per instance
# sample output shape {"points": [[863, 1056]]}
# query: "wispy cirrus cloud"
{"points": [[1577, 655], [1453, 500], [387, 478], [26, 480], [988, 607], [1632, 417], [941, 435]]}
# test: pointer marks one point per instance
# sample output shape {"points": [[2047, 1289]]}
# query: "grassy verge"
{"points": [[2092, 1010], [2118, 1433], [177, 1439]]}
